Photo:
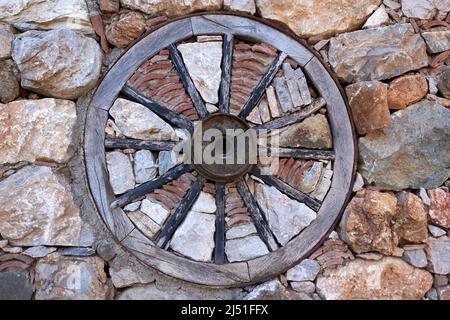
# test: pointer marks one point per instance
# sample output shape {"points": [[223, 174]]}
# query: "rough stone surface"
{"points": [[67, 278], [195, 236], [286, 217], [241, 231], [313, 132], [443, 82], [245, 248], [310, 178], [166, 161], [45, 15], [440, 207], [274, 290], [378, 18], [137, 122], [6, 38], [389, 278], [39, 251], [172, 7], [120, 172], [369, 104], [15, 285], [247, 6], [412, 152], [423, 9], [377, 54], [32, 130], [145, 167], [205, 203], [307, 18], [416, 258], [435, 231], [144, 223], [126, 277], [109, 6], [307, 270], [439, 255], [307, 287], [407, 90], [59, 63], [437, 41], [203, 62], [155, 211], [10, 77], [366, 224], [37, 208], [125, 28]]}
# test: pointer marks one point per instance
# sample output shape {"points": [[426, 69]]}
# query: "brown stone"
{"points": [[410, 222], [407, 90], [444, 293], [366, 224], [172, 7], [9, 77], [389, 278], [369, 104], [125, 28], [109, 6], [440, 207]]}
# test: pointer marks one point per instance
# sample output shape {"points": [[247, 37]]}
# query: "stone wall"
{"points": [[392, 57]]}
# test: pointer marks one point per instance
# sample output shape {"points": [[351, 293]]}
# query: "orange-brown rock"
{"points": [[109, 6], [369, 104], [125, 28], [407, 90], [440, 207], [388, 278]]}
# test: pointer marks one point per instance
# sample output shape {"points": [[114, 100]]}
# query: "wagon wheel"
{"points": [[273, 64]]}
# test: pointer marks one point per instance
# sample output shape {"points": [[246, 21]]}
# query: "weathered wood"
{"points": [[293, 117], [219, 236], [189, 85], [161, 111], [149, 186], [260, 89], [287, 189], [258, 217], [139, 144], [307, 154], [227, 59], [180, 213]]}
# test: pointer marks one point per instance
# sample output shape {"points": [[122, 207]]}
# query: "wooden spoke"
{"points": [[149, 186], [258, 217], [178, 62], [262, 85], [161, 111], [300, 153], [139, 144], [287, 189], [293, 117], [219, 236], [180, 213], [227, 59]]}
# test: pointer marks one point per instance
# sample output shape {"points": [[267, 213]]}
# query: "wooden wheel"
{"points": [[264, 57]]}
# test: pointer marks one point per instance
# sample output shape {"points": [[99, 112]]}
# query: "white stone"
{"points": [[359, 183], [6, 38], [423, 9], [144, 223], [378, 18], [46, 15], [436, 232], [241, 231], [254, 116], [155, 211], [172, 7], [39, 251], [324, 183], [37, 208], [145, 167], [424, 196], [166, 161], [264, 112], [195, 236], [211, 108], [203, 62], [133, 206], [120, 172], [245, 248], [138, 122], [205, 203], [32, 130], [307, 270], [240, 5], [286, 217]]}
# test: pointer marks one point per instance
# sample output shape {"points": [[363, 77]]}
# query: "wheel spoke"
{"points": [[262, 85], [219, 237], [258, 218], [180, 213], [139, 144], [287, 189], [227, 59], [161, 111], [177, 60], [293, 117], [306, 154], [149, 186]]}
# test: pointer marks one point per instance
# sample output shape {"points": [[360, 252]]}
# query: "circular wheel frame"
{"points": [[237, 274]]}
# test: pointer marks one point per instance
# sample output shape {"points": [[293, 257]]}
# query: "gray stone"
{"points": [[138, 122], [424, 9], [166, 161], [125, 276], [307, 270], [324, 183], [432, 294], [274, 290], [307, 287], [443, 82], [203, 62], [378, 18], [311, 177], [155, 211], [120, 172], [59, 63], [437, 41], [15, 285], [78, 252], [359, 183], [393, 4], [286, 217], [39, 251], [6, 38], [9, 75], [293, 87], [264, 111], [247, 6], [370, 256], [145, 167], [195, 236], [424, 196], [378, 53], [283, 95], [303, 86], [436, 232], [439, 254], [245, 248], [274, 107], [132, 206], [417, 258], [412, 152], [241, 231]]}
